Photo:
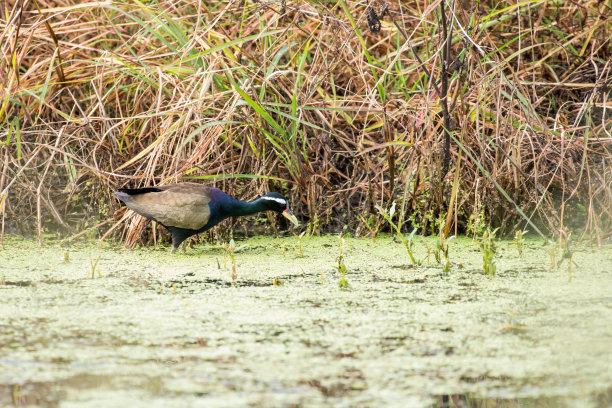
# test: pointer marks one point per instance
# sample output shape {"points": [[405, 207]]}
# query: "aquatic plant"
{"points": [[443, 246], [225, 249], [567, 252], [284, 248], [476, 223], [428, 247], [343, 283], [368, 224], [518, 241], [314, 226], [552, 251], [444, 250], [407, 241], [300, 253], [488, 249], [232, 249], [94, 266]]}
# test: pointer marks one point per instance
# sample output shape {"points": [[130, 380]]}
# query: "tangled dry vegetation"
{"points": [[340, 105]]}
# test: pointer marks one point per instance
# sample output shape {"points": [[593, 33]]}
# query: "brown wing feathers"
{"points": [[182, 205]]}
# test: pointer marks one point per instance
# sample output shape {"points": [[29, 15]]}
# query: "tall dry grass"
{"points": [[324, 101]]}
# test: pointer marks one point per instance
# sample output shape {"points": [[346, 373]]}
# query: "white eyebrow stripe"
{"points": [[278, 200]]}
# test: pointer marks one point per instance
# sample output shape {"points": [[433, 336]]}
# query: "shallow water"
{"points": [[155, 329]]}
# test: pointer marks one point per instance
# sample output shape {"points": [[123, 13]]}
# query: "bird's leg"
{"points": [[173, 250]]}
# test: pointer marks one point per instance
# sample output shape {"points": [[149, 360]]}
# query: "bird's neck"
{"points": [[238, 207]]}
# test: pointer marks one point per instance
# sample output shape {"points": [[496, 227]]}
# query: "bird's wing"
{"points": [[183, 205]]}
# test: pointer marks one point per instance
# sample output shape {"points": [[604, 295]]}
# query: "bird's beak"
{"points": [[289, 215]]}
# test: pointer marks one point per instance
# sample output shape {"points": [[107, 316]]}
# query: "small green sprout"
{"points": [[224, 247], [442, 248], [567, 253], [314, 226], [16, 396], [408, 242], [232, 249], [368, 223], [94, 266], [519, 242], [551, 250], [476, 223], [300, 253], [343, 284], [488, 249], [428, 247]]}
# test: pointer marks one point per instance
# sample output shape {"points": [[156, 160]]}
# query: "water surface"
{"points": [[155, 329]]}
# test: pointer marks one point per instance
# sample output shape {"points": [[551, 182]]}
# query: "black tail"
{"points": [[136, 191]]}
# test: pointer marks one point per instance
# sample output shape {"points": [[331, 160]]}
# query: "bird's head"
{"points": [[277, 202]]}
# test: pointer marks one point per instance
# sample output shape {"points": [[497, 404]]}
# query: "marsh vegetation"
{"points": [[466, 112]]}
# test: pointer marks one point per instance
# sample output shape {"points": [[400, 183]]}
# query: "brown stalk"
{"points": [[59, 67]]}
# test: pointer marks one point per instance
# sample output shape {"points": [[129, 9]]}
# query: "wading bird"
{"points": [[187, 209]]}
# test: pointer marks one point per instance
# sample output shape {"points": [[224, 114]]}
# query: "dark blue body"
{"points": [[219, 202], [221, 206]]}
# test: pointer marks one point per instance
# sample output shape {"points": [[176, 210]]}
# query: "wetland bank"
{"points": [[155, 329]]}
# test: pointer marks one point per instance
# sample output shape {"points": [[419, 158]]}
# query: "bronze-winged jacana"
{"points": [[187, 209]]}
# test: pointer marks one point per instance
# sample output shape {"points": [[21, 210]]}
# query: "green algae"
{"points": [[153, 329]]}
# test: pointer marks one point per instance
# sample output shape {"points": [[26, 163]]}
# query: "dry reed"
{"points": [[324, 101]]}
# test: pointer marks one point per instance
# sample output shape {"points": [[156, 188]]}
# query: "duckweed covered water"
{"points": [[151, 329]]}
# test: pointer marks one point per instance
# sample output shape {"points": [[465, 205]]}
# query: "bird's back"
{"points": [[182, 205]]}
